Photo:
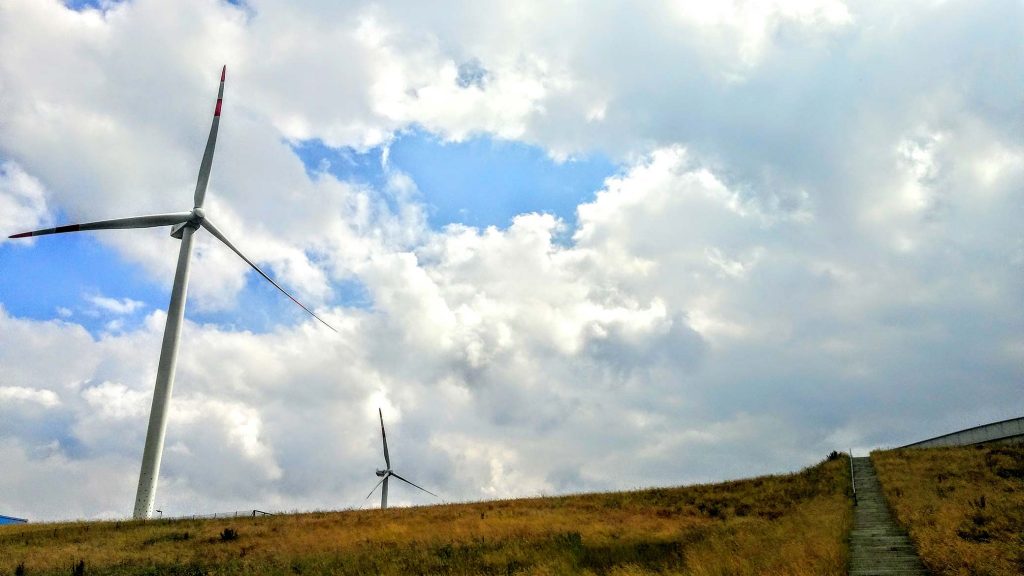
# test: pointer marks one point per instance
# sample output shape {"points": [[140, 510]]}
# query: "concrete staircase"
{"points": [[878, 546]]}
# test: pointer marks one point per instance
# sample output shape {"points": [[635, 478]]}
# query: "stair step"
{"points": [[878, 545]]}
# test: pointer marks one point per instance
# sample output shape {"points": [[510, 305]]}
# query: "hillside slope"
{"points": [[793, 524], [963, 507]]}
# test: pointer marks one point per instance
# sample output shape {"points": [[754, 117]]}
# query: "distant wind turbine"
{"points": [[184, 225], [388, 472]]}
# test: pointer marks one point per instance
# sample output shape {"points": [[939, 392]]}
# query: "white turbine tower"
{"points": [[388, 472], [184, 225]]}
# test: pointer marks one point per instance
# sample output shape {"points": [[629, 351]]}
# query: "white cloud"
{"points": [[114, 305], [104, 478], [22, 201], [749, 27], [113, 401], [45, 398]]}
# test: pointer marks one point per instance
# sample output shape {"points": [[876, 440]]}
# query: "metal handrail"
{"points": [[853, 479]]}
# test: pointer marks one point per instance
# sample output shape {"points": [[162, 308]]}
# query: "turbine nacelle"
{"points": [[195, 221], [382, 473]]}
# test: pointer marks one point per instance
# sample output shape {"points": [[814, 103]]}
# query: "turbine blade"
{"points": [[116, 224], [414, 485], [217, 233], [211, 143], [387, 458], [381, 481]]}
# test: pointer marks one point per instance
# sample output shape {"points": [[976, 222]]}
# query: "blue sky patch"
{"points": [[63, 271], [58, 275], [79, 5], [260, 307], [480, 182], [346, 164]]}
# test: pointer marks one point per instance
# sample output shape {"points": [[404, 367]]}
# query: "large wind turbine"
{"points": [[388, 472], [184, 225]]}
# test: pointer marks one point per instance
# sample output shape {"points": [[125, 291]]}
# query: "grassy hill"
{"points": [[963, 507], [793, 524]]}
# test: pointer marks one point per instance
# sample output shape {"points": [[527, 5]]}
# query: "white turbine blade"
{"points": [[414, 485], [217, 233], [381, 481], [116, 224], [211, 143], [387, 458]]}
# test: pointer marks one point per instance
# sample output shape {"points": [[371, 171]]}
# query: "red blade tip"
{"points": [[223, 71], [21, 235]]}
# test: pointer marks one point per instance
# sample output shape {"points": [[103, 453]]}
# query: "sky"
{"points": [[566, 248]]}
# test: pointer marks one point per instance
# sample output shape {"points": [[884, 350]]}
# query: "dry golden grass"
{"points": [[963, 507], [794, 524]]}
